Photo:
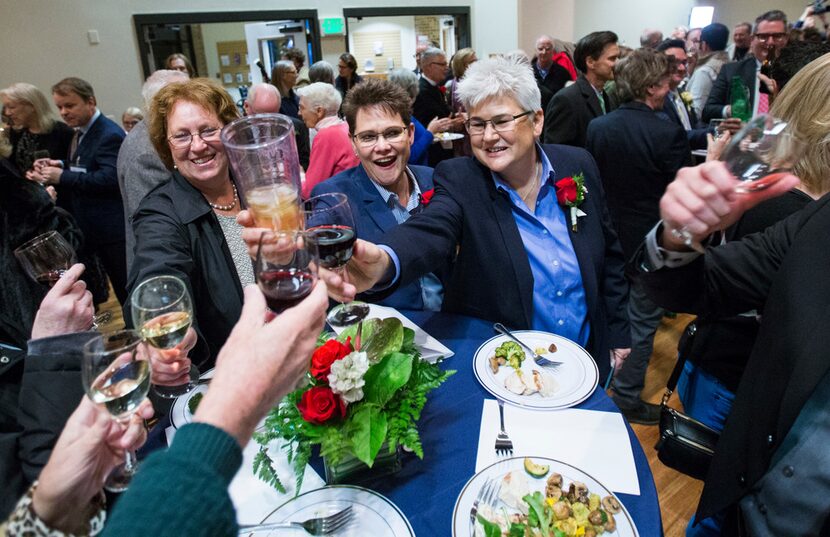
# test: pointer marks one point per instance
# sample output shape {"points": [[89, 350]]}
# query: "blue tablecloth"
{"points": [[426, 490]]}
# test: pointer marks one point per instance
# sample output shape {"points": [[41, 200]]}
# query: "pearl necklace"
{"points": [[228, 207]]}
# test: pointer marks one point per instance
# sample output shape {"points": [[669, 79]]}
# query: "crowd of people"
{"points": [[570, 204]]}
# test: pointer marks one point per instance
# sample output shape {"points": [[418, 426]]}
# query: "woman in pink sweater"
{"points": [[331, 148]]}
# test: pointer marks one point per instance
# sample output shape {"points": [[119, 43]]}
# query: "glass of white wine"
{"points": [[116, 373], [162, 313]]}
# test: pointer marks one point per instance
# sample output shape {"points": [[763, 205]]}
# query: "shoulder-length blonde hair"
{"points": [[200, 91], [803, 103], [461, 60], [278, 76], [25, 93]]}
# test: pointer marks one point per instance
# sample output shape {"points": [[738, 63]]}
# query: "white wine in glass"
{"points": [[116, 373], [163, 312]]}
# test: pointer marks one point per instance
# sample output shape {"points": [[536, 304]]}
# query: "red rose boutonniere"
{"points": [[570, 192], [442, 89], [425, 197]]}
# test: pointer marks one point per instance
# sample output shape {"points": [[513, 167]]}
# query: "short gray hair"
{"points": [[321, 71], [321, 95], [499, 77], [431, 53], [158, 80], [406, 79]]}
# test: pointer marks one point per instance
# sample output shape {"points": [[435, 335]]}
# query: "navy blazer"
{"points": [[697, 134], [373, 218], [570, 111], [638, 154], [93, 196], [491, 278]]}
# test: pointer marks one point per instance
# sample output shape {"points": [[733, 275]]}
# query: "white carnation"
{"points": [[346, 377]]}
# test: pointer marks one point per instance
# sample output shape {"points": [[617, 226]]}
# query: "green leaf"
{"points": [[517, 530], [367, 430], [386, 338], [386, 377], [369, 328], [537, 512], [408, 345], [490, 529]]}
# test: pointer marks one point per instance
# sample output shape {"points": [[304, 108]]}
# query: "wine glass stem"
{"points": [[130, 462]]}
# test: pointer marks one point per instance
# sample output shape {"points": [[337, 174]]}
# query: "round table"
{"points": [[426, 490]]}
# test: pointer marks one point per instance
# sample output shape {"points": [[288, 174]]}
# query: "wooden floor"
{"points": [[678, 494]]}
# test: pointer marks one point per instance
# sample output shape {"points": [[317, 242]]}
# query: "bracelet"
{"points": [[24, 522]]}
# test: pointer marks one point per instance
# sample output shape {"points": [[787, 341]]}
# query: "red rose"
{"points": [[427, 196], [566, 191], [331, 351], [442, 89], [319, 405]]}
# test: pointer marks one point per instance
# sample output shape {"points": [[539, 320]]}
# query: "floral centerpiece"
{"points": [[363, 391]]}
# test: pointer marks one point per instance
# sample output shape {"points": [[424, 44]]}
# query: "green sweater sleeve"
{"points": [[182, 491]]}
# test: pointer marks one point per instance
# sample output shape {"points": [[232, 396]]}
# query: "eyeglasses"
{"points": [[184, 139], [502, 123], [392, 135], [770, 37], [442, 64]]}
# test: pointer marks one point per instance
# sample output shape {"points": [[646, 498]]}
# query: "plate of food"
{"points": [[538, 496], [185, 406], [447, 136], [509, 373], [372, 513]]}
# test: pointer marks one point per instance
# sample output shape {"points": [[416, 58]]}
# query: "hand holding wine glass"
{"points": [[163, 312], [115, 370], [66, 308], [46, 257]]}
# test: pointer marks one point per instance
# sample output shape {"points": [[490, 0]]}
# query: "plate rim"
{"points": [[594, 368], [546, 459], [346, 486]]}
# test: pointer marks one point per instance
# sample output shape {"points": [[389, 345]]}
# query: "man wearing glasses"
{"points": [[768, 38], [430, 102]]}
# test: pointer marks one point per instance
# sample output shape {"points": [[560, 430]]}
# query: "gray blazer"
{"points": [[140, 170]]}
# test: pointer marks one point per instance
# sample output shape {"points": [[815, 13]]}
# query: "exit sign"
{"points": [[333, 26]]}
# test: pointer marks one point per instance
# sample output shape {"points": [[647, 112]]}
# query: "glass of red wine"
{"points": [[330, 220], [286, 267], [758, 156], [46, 257]]}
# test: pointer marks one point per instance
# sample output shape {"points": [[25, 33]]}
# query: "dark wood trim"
{"points": [[140, 20]]}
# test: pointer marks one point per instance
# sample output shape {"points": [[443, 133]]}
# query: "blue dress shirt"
{"points": [[559, 304]]}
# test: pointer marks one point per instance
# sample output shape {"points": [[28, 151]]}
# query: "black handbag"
{"points": [[685, 444]]}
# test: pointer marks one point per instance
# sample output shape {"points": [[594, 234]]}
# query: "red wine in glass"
{"points": [[50, 277], [284, 289], [335, 243]]}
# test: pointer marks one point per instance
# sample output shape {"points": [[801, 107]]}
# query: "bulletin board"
{"points": [[233, 63], [368, 44]]}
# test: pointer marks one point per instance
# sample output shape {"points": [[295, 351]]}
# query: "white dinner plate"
{"points": [[372, 513], [180, 414], [464, 503], [448, 136], [575, 379]]}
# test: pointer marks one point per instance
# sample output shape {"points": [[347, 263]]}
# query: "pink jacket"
{"points": [[331, 153]]}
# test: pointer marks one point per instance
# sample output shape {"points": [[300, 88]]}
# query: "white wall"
{"points": [[628, 19], [50, 37], [404, 25]]}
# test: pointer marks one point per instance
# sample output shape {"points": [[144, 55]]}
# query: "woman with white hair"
{"points": [[35, 128], [331, 149], [526, 224]]}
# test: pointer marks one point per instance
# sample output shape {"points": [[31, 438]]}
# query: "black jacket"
{"points": [[697, 134], [638, 154], [491, 278], [569, 112], [555, 80], [721, 93], [429, 104], [178, 234], [781, 272], [56, 142]]}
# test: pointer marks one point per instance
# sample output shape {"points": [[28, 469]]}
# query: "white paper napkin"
{"points": [[431, 349], [595, 442]]}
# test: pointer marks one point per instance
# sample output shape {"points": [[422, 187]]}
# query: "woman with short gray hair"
{"points": [[321, 71], [331, 148]]}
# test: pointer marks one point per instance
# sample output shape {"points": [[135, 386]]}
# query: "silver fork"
{"points": [[504, 446], [487, 495], [315, 526], [544, 362]]}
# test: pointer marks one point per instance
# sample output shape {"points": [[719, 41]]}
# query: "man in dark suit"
{"points": [[87, 181], [772, 456], [569, 112], [638, 154], [768, 38], [521, 258], [676, 108], [431, 102], [550, 76]]}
